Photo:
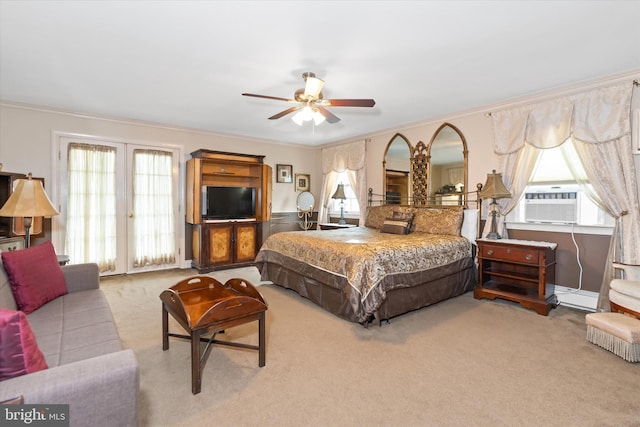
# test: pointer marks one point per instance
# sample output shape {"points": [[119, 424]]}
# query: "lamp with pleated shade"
{"points": [[494, 189], [339, 195], [28, 200]]}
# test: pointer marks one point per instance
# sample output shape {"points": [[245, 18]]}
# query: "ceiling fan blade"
{"points": [[285, 112], [328, 115], [269, 97], [348, 102]]}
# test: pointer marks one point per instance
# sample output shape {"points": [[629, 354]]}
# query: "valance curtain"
{"points": [[597, 123], [347, 157]]}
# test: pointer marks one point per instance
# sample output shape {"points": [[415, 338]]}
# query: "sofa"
{"points": [[88, 368]]}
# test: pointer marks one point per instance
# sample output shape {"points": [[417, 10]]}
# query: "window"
{"points": [[553, 195], [351, 206]]}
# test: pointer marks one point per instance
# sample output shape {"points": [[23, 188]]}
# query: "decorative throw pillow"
{"points": [[404, 216], [395, 226], [399, 223], [19, 352], [376, 215], [439, 221], [35, 275]]}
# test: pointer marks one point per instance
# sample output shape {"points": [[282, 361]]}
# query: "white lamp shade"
{"points": [[307, 114], [318, 118], [313, 87]]}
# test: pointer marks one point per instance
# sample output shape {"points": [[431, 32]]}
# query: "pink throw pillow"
{"points": [[35, 275], [19, 351]]}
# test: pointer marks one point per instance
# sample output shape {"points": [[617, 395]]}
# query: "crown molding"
{"points": [[141, 123]]}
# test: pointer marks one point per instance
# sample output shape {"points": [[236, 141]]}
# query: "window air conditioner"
{"points": [[551, 207]]}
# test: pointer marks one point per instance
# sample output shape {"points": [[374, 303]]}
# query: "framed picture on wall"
{"points": [[284, 173], [302, 182]]}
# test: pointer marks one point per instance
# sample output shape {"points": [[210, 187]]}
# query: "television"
{"points": [[228, 202]]}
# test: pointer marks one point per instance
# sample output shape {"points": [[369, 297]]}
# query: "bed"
{"points": [[376, 272]]}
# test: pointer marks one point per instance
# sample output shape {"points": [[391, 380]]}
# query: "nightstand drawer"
{"points": [[506, 253]]}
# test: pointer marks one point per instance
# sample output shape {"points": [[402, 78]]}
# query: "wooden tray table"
{"points": [[203, 306]]}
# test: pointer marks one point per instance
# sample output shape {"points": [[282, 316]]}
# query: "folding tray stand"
{"points": [[203, 306]]}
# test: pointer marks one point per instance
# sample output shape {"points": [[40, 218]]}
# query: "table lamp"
{"points": [[494, 189], [339, 194], [28, 200]]}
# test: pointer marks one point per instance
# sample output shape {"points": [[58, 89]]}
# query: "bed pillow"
{"points": [[35, 275], [404, 216], [19, 351], [377, 215], [438, 221], [395, 226], [470, 225]]}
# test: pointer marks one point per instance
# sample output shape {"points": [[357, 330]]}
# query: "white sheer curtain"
{"points": [[91, 210], [347, 157], [598, 124], [153, 229]]}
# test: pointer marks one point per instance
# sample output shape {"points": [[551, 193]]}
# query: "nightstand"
{"points": [[517, 270]]}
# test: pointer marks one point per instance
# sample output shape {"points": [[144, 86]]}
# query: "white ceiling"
{"points": [[185, 64]]}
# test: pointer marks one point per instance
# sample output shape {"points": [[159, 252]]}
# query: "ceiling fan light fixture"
{"points": [[318, 118], [307, 114], [303, 115], [313, 87], [297, 118], [311, 103]]}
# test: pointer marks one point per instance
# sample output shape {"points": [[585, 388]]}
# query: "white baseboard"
{"points": [[571, 297]]}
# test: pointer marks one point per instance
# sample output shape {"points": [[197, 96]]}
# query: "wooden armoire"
{"points": [[225, 243]]}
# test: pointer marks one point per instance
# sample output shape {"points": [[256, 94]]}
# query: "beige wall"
{"points": [[26, 140], [26, 136], [476, 129]]}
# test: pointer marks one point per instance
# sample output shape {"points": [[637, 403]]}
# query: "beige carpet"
{"points": [[462, 362]]}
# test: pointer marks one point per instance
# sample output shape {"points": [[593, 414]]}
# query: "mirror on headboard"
{"points": [[447, 166], [396, 168]]}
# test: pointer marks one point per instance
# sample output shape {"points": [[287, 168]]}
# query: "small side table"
{"points": [[204, 306], [517, 270]]}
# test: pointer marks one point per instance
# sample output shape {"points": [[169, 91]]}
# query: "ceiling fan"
{"points": [[311, 104]]}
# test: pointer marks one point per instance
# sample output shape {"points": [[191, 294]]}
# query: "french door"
{"points": [[119, 204]]}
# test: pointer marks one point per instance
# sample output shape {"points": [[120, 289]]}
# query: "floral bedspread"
{"points": [[364, 256]]}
